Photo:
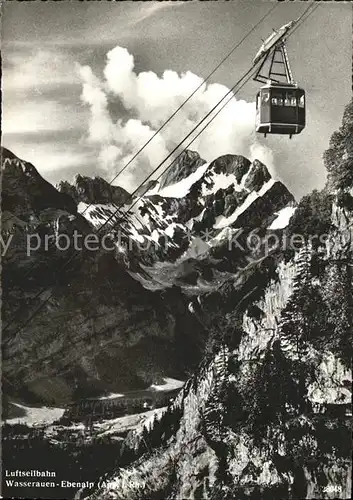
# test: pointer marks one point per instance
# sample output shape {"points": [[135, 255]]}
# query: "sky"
{"points": [[86, 84]]}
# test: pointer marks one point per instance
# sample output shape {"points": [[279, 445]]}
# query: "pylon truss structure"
{"points": [[275, 65]]}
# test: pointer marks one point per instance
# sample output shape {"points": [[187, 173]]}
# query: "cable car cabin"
{"points": [[280, 109]]}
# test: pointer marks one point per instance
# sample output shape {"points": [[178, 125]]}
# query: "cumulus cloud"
{"points": [[101, 129], [149, 100]]}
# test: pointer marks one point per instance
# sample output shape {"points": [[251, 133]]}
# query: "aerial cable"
{"points": [[299, 21], [189, 97], [247, 74], [178, 109], [229, 93], [175, 112], [170, 118]]}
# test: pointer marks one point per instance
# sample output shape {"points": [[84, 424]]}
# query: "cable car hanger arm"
{"points": [[283, 62]]}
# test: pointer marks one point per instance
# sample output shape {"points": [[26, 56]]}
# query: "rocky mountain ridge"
{"points": [[93, 190], [176, 225]]}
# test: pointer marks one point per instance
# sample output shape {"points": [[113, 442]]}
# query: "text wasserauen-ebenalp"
{"points": [[31, 478]]}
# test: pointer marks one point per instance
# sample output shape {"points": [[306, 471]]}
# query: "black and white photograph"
{"points": [[176, 249]]}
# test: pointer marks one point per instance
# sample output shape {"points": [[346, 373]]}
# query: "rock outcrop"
{"points": [[93, 190]]}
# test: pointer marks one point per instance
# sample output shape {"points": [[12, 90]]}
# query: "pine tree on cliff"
{"points": [[338, 158], [294, 324], [339, 298]]}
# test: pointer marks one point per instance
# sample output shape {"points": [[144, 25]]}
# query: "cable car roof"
{"points": [[273, 39], [281, 86]]}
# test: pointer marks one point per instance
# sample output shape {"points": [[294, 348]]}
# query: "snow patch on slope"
{"points": [[182, 188], [222, 221], [97, 213], [283, 218], [220, 181], [124, 424], [225, 234]]}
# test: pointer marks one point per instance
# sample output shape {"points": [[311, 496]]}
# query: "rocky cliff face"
{"points": [[25, 193], [96, 190], [185, 165], [268, 412]]}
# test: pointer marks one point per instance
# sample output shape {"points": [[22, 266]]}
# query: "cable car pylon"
{"points": [[279, 57], [280, 103]]}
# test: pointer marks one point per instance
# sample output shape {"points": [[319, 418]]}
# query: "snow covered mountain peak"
{"points": [[185, 215], [188, 215]]}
